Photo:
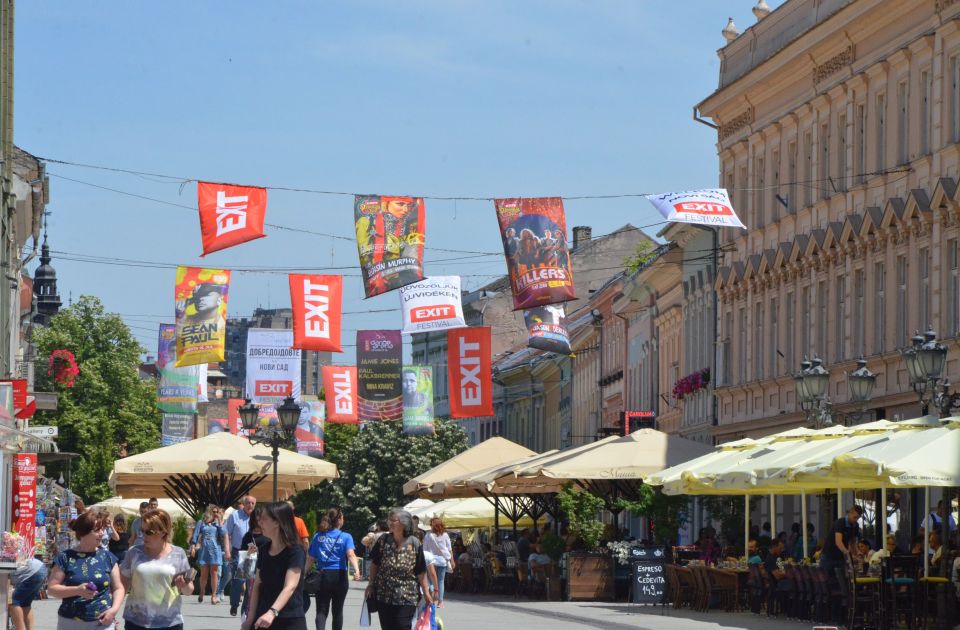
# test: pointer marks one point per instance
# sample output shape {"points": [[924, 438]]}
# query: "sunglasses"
{"points": [[154, 532]]}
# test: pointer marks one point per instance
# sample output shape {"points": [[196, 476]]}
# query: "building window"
{"points": [[774, 338], [792, 175], [901, 271], [955, 98], [807, 167], [861, 148], [744, 196], [823, 184], [924, 297], [742, 344], [775, 183], [953, 288], [840, 326], [823, 321], [903, 106], [758, 355], [880, 290], [791, 331], [842, 152], [759, 192], [859, 312], [881, 132], [805, 308], [926, 108], [727, 352]]}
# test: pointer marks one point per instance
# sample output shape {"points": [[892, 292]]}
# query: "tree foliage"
{"points": [[641, 255], [581, 509], [374, 465], [109, 412], [667, 513]]}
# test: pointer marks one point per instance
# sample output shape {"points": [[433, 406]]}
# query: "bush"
{"points": [[552, 545], [180, 533], [581, 509]]}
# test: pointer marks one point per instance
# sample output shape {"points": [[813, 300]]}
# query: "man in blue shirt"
{"points": [[236, 528]]}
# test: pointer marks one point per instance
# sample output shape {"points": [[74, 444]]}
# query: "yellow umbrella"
{"points": [[496, 450]]}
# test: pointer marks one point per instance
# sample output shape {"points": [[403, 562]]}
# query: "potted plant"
{"points": [[589, 573]]}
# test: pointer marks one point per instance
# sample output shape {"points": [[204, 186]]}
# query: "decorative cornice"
{"points": [[833, 65], [736, 124]]}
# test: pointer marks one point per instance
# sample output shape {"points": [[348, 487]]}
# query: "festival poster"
{"points": [[469, 372], [390, 234], [273, 367], [24, 493], [230, 215], [317, 304], [379, 362], [201, 312], [710, 207], [534, 234], [309, 432], [417, 400], [340, 393], [547, 328], [234, 423], [432, 304], [176, 428], [177, 390]]}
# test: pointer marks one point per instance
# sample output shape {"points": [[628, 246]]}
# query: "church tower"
{"points": [[45, 286]]}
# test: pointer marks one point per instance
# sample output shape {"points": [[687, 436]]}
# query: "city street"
{"points": [[476, 612]]}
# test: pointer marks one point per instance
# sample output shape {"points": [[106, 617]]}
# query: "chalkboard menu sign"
{"points": [[649, 575]]}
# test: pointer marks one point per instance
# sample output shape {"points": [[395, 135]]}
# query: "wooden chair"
{"points": [[523, 580], [688, 587], [705, 595], [758, 591], [726, 586], [674, 589]]}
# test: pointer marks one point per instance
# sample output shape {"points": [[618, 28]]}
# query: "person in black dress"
{"points": [[277, 598], [119, 546], [252, 541]]}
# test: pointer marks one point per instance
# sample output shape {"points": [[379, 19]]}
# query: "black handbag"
{"points": [[312, 583]]}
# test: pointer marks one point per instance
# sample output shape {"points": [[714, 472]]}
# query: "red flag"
{"points": [[230, 215], [340, 390], [317, 302], [468, 372]]}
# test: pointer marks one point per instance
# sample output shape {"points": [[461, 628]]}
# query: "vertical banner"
{"points": [[340, 391], [234, 423], [25, 495], [432, 304], [177, 392], [547, 328], [468, 372], [417, 400], [379, 361], [230, 215], [390, 234], [534, 233], [317, 302], [273, 367], [201, 310], [709, 206], [310, 429]]}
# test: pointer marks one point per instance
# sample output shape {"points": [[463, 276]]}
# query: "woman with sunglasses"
{"points": [[331, 549], [206, 546], [86, 578], [155, 575], [276, 601]]}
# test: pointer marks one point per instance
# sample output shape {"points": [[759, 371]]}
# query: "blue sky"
{"points": [[533, 98]]}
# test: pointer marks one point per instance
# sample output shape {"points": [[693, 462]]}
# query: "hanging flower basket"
{"points": [[691, 383], [62, 366]]}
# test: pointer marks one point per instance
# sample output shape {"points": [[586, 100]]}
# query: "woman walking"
{"points": [[437, 542], [155, 576], [398, 573], [277, 598], [118, 546], [87, 579], [206, 547], [252, 541], [331, 549]]}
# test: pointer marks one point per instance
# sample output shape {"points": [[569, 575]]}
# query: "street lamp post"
{"points": [[812, 383], [925, 360], [288, 415]]}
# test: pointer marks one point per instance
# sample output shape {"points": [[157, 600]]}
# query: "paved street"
{"points": [[475, 613]]}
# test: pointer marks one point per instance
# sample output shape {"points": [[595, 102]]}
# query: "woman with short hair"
{"points": [[119, 545], [156, 576], [398, 573], [277, 598], [206, 546], [87, 578]]}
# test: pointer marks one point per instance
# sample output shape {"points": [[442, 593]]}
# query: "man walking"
{"points": [[236, 529]]}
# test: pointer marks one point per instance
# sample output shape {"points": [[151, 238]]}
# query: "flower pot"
{"points": [[590, 576]]}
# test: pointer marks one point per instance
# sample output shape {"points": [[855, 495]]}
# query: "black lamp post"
{"points": [[812, 383], [925, 360], [288, 414]]}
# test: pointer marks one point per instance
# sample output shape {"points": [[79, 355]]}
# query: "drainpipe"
{"points": [[626, 367], [598, 321], [702, 121]]}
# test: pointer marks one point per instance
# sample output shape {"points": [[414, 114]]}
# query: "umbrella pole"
{"points": [[883, 515], [926, 532], [746, 524], [773, 514], [839, 502], [803, 520]]}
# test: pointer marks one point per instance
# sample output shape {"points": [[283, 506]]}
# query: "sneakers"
{"points": [[233, 612]]}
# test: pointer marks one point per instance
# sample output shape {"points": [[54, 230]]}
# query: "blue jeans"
{"points": [[236, 586], [441, 574]]}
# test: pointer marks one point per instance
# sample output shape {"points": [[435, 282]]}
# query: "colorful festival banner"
{"points": [[230, 215], [379, 361], [390, 234], [273, 367], [24, 493], [310, 429], [317, 302], [534, 234], [547, 328], [176, 428], [469, 373], [178, 390], [340, 391], [201, 310], [234, 423], [432, 304], [417, 400], [710, 206]]}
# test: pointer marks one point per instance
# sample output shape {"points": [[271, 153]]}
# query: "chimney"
{"points": [[581, 236]]}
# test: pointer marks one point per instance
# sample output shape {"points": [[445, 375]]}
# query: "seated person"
{"points": [[753, 552], [936, 549], [864, 551], [889, 549], [778, 577], [537, 558]]}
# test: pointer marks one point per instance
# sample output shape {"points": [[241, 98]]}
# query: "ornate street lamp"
{"points": [[288, 414], [812, 383], [925, 360], [860, 382]]}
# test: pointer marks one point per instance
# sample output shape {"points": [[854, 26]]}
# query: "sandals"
{"points": [[214, 601]]}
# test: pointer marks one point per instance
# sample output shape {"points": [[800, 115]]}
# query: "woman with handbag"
{"points": [[398, 574], [331, 549]]}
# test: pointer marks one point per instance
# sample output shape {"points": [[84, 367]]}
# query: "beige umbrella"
{"points": [[496, 450], [218, 453], [131, 507]]}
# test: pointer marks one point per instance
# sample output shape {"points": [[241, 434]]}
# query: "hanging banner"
{"points": [[230, 215], [340, 391], [432, 304], [201, 310], [390, 235], [273, 367], [309, 432], [417, 400], [24, 493], [710, 206], [468, 372], [177, 390], [176, 428], [534, 233], [547, 329], [317, 302], [379, 361], [234, 423]]}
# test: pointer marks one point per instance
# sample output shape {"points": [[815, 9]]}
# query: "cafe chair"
{"points": [[864, 605], [899, 574]]}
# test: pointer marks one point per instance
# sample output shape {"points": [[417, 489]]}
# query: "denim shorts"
{"points": [[28, 590]]}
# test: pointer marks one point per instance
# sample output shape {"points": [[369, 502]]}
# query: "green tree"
{"points": [[667, 513], [374, 466], [581, 509], [109, 412], [641, 255]]}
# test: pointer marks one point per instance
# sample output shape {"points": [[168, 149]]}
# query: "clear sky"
{"points": [[443, 98]]}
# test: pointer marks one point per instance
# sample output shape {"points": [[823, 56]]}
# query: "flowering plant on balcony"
{"points": [[691, 383], [62, 366]]}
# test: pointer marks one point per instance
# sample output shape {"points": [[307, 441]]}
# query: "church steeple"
{"points": [[45, 285]]}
